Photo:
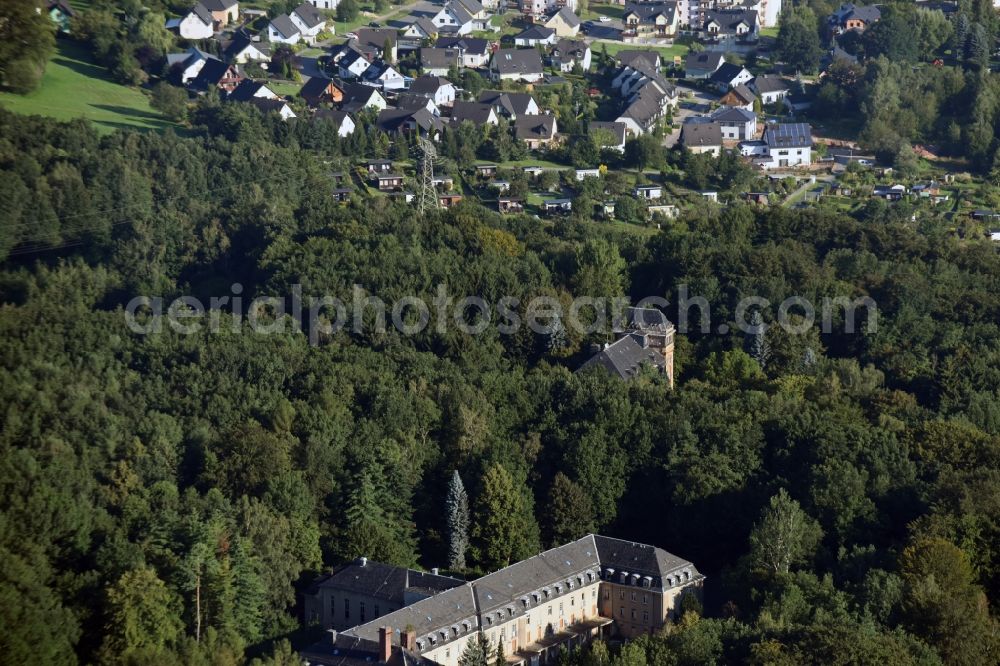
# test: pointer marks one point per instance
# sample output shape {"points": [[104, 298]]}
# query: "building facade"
{"points": [[592, 587]]}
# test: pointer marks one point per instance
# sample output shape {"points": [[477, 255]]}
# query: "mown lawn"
{"points": [[666, 52], [75, 87]]}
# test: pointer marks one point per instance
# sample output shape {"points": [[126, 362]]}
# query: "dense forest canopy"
{"points": [[165, 496]]}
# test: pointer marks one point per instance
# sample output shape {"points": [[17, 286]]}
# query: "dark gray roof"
{"points": [[283, 24], [425, 24], [627, 57], [245, 91], [240, 41], [384, 581], [438, 58], [704, 134], [625, 357], [705, 60], [729, 19], [336, 116], [567, 15], [509, 103], [373, 39], [744, 93], [470, 44], [517, 61], [866, 13], [788, 135], [727, 73], [647, 319], [315, 87], [639, 558], [536, 32], [535, 127], [203, 13], [733, 114], [428, 84], [462, 16], [211, 73], [219, 5], [412, 102], [648, 11], [766, 84], [309, 15], [475, 112], [267, 105]]}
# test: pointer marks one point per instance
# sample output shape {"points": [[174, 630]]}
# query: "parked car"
{"points": [[351, 35], [605, 19], [374, 24]]}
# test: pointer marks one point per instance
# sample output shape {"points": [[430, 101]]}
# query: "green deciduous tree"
{"points": [[784, 536]]}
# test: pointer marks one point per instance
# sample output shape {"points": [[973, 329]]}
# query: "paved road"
{"points": [[699, 103]]}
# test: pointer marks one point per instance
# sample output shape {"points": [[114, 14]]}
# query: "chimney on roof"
{"points": [[384, 644], [408, 639]]}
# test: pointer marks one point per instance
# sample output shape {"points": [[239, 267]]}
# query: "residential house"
{"points": [[438, 62], [557, 205], [196, 24], [472, 51], [729, 24], [650, 19], [378, 166], [535, 131], [517, 65], [759, 198], [581, 174], [740, 97], [449, 199], [383, 75], [667, 211], [421, 29], [476, 113], [342, 195], [184, 67], [386, 182], [248, 90], [418, 120], [736, 123], [771, 89], [341, 120], [217, 74], [486, 170], [61, 14], [309, 21], [508, 205], [532, 171], [852, 17], [628, 57], [889, 192], [510, 104], [645, 339], [373, 41], [453, 19], [223, 12], [273, 105], [281, 30], [329, 5], [730, 75], [358, 97], [564, 22], [568, 53], [702, 64], [699, 136], [437, 88], [353, 65], [610, 135], [413, 102], [535, 35], [242, 49], [783, 145], [320, 90], [648, 192]]}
